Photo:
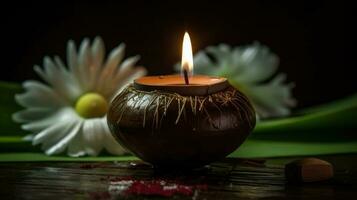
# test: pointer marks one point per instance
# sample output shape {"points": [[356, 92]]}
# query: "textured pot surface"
{"points": [[167, 129]]}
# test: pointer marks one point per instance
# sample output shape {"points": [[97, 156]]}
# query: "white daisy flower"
{"points": [[69, 114], [250, 69]]}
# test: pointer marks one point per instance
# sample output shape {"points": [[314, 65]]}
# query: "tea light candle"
{"points": [[181, 120], [186, 84], [199, 85]]}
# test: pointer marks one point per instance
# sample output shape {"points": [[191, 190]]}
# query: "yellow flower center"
{"points": [[91, 105]]}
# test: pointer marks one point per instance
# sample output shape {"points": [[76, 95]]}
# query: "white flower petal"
{"points": [[69, 89], [28, 137], [41, 73], [64, 114], [60, 64], [76, 147], [97, 54], [110, 144], [92, 136], [59, 78], [54, 136], [129, 63], [126, 69], [32, 114], [39, 125], [259, 64], [114, 58], [73, 63], [51, 70], [63, 143], [38, 95], [221, 52], [84, 59], [106, 76], [72, 86], [62, 81], [125, 73], [72, 60], [203, 64], [54, 132], [270, 100], [124, 81]]}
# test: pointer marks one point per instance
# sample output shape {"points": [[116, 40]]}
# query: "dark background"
{"points": [[311, 37]]}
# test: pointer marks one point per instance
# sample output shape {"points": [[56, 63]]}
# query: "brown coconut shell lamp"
{"points": [[181, 121]]}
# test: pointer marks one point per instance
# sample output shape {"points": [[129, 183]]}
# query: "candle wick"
{"points": [[185, 74]]}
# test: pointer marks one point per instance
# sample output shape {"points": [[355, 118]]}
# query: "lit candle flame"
{"points": [[187, 60]]}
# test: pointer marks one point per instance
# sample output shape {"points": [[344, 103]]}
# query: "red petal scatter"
{"points": [[157, 187]]}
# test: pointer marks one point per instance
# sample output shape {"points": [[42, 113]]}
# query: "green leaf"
{"points": [[333, 117], [36, 157], [252, 148], [16, 144]]}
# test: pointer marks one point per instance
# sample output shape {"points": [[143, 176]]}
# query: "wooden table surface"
{"points": [[228, 179]]}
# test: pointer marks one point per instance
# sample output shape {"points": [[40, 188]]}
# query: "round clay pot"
{"points": [[171, 130]]}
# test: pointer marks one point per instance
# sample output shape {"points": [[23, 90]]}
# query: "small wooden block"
{"points": [[308, 170]]}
